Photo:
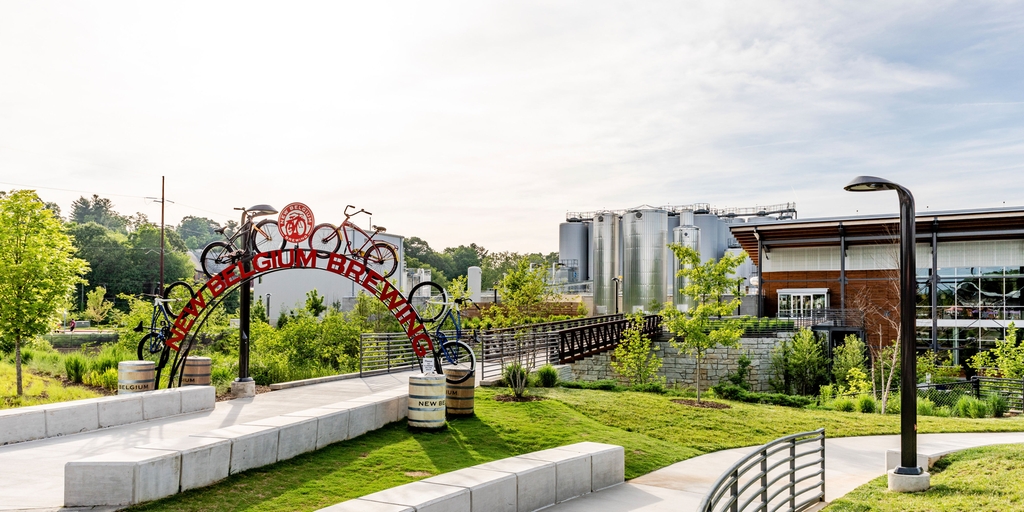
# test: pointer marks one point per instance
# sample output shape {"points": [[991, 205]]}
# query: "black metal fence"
{"points": [[948, 394], [785, 474], [580, 342]]}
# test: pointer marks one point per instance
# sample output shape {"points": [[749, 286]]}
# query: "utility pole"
{"points": [[161, 290]]}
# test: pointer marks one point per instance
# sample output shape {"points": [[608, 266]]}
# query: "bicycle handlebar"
{"points": [[349, 215]]}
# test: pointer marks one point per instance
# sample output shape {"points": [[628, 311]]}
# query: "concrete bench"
{"points": [[64, 418], [207, 457], [517, 484]]}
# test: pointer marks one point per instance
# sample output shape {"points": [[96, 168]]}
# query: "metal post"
{"points": [[764, 479], [908, 334], [842, 270], [792, 474], [161, 290], [244, 305]]}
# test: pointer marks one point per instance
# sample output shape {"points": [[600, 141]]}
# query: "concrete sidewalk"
{"points": [[849, 463], [32, 473]]}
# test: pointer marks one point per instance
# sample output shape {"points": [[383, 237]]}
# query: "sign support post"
{"points": [[244, 386]]}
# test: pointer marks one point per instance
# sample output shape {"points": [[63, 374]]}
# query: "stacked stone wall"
{"points": [[679, 368]]}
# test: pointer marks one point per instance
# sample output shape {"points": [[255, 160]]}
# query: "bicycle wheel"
{"points": [[150, 347], [382, 259], [180, 293], [325, 238], [216, 257], [266, 237], [456, 354], [429, 300]]}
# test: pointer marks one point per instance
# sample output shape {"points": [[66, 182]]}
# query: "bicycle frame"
{"points": [[246, 226]]}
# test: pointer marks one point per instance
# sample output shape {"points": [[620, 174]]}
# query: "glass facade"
{"points": [[800, 302]]}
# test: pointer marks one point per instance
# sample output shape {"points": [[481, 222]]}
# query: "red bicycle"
{"points": [[376, 254]]}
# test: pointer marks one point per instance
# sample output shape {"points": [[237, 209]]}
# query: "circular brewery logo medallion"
{"points": [[295, 222]]}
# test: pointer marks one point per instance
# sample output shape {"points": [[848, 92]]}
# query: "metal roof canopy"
{"points": [[957, 225]]}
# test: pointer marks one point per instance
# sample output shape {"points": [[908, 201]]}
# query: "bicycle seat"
{"points": [[379, 229], [138, 328], [221, 230]]}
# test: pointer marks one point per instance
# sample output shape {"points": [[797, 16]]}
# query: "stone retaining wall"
{"points": [[680, 368]]}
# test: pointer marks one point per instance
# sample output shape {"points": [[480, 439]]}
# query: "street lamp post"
{"points": [[615, 298], [908, 476]]}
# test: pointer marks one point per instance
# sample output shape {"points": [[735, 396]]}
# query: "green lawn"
{"points": [[654, 431], [979, 479], [37, 389]]}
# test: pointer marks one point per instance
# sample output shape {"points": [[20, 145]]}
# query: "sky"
{"points": [[485, 122]]}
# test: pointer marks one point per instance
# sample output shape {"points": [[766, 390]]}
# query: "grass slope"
{"points": [[979, 479], [654, 431], [37, 389]]}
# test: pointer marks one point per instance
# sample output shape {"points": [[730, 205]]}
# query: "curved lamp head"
{"points": [[261, 209], [870, 184]]}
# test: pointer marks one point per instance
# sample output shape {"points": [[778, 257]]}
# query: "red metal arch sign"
{"points": [[283, 259]]}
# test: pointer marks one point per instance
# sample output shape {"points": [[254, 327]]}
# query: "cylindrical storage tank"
{"points": [[708, 224], [606, 262], [572, 245], [590, 252], [427, 401], [197, 371], [645, 246], [670, 262], [687, 236], [459, 396], [474, 276], [135, 376]]}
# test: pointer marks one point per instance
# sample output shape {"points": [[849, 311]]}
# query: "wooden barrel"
{"points": [[460, 395], [135, 376], [426, 402], [197, 372]]}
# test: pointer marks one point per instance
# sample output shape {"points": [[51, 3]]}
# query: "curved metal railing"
{"points": [[770, 477]]}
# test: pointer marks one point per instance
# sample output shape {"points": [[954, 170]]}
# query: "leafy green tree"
{"points": [[107, 254], [807, 362], [197, 232], [99, 210], [96, 305], [634, 358], [315, 303], [846, 357], [143, 258], [693, 331], [1005, 360], [38, 271]]}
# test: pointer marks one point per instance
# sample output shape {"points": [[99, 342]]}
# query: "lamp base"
{"points": [[909, 483], [243, 388]]}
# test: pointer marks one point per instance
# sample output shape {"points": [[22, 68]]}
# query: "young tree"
{"points": [[96, 305], [694, 331], [846, 357], [315, 303], [37, 270], [634, 358]]}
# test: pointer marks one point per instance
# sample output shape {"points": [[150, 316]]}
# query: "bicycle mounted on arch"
{"points": [[263, 236], [431, 303], [376, 254], [153, 346]]}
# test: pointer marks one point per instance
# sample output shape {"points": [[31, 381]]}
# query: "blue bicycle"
{"points": [[432, 306]]}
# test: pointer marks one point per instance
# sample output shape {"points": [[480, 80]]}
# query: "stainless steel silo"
{"points": [[572, 248], [670, 266], [645, 248], [687, 236], [710, 248], [606, 241], [589, 270]]}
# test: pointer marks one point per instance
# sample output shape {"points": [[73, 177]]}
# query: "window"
{"points": [[800, 302]]}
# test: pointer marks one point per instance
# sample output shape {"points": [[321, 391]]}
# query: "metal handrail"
{"points": [[751, 478]]}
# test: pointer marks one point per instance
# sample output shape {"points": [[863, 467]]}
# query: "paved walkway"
{"points": [[32, 473], [849, 463]]}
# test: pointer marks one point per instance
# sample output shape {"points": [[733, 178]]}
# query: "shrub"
{"points": [[998, 405], [827, 393], [547, 375], [603, 385], [866, 404], [650, 387], [635, 359], [848, 356], [844, 404], [74, 367], [731, 391], [925, 407], [893, 405], [105, 379], [970, 407], [742, 374], [515, 376]]}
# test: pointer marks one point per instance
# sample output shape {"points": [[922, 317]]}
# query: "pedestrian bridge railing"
{"points": [[785, 474]]}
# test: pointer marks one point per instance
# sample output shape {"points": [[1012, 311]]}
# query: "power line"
{"points": [[105, 194]]}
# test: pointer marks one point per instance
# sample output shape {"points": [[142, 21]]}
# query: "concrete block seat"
{"points": [[65, 418], [517, 484], [252, 446], [121, 478]]}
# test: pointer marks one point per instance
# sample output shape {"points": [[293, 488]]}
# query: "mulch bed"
{"points": [[513, 398], [703, 405]]}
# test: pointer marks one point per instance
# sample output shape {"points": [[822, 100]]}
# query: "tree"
{"points": [[99, 210], [96, 305], [634, 358], [1005, 360], [197, 232], [694, 331], [315, 303], [38, 271], [846, 357]]}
